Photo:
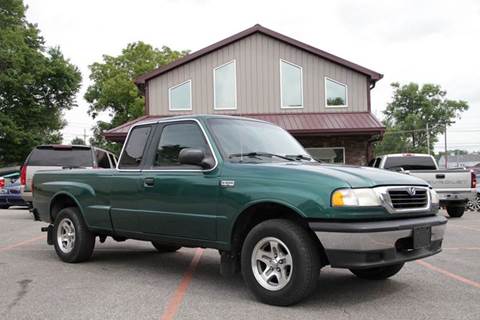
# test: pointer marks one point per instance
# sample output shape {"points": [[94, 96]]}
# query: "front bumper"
{"points": [[371, 244]]}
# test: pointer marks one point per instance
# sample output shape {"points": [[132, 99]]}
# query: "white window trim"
{"points": [[346, 93], [343, 149], [234, 107], [282, 106], [170, 96]]}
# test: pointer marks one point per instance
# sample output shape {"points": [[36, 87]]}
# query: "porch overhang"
{"points": [[298, 124]]}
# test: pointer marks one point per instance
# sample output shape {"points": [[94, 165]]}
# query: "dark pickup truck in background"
{"points": [[248, 189]]}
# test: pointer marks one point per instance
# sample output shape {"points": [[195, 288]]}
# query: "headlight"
{"points": [[434, 197], [355, 197]]}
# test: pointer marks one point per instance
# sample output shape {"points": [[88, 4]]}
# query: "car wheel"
{"points": [[280, 262], [378, 273], [474, 204], [455, 212], [72, 240], [162, 247]]}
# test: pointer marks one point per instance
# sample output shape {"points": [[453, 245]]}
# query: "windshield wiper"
{"points": [[259, 154], [298, 157]]}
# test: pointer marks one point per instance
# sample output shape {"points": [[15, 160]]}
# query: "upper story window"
{"points": [[132, 155], [335, 93], [180, 96], [291, 85], [225, 86], [174, 138]]}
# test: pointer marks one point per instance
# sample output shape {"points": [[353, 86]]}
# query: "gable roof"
{"points": [[374, 76]]}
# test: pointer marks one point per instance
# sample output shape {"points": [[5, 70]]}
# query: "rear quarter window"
{"points": [[135, 147], [74, 157]]}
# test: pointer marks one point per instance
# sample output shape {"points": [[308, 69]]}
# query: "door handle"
{"points": [[149, 182], [440, 176]]}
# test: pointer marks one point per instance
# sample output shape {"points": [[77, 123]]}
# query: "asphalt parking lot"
{"points": [[130, 280]]}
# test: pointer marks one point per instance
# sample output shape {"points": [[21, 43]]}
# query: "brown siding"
{"points": [[258, 79]]}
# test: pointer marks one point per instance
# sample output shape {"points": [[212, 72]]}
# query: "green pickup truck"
{"points": [[248, 189]]}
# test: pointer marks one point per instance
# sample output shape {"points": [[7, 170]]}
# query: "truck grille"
{"points": [[410, 198]]}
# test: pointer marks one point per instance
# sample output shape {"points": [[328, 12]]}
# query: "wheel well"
{"points": [[258, 213], [60, 202]]}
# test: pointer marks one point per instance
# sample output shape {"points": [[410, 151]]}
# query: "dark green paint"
{"points": [[194, 207]]}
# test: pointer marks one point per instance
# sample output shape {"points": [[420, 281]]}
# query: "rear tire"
{"points": [[455, 212], [72, 240], [378, 273], [164, 248], [280, 262]]}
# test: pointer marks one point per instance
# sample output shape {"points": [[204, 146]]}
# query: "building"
{"points": [[323, 100], [460, 161]]}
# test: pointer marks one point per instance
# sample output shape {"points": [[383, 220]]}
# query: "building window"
{"points": [[225, 86], [328, 155], [335, 93], [180, 96], [291, 85]]}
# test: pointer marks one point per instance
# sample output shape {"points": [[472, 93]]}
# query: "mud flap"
{"points": [[49, 231]]}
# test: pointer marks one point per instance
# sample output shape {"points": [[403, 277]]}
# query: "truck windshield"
{"points": [[254, 141], [409, 163]]}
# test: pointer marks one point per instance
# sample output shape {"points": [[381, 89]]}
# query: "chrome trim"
{"points": [[368, 241], [384, 196], [169, 170]]}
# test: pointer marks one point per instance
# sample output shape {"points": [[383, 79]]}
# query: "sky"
{"points": [[423, 41]]}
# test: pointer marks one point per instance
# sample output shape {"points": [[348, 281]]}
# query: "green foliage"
{"points": [[36, 85], [78, 141], [407, 116], [113, 89]]}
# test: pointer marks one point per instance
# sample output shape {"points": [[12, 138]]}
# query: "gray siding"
{"points": [[258, 79]]}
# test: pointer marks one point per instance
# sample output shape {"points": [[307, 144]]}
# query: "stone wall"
{"points": [[356, 147]]}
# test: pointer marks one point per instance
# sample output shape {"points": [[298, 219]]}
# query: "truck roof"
{"points": [[407, 154], [200, 117]]}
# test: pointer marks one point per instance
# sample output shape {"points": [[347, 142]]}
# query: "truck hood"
{"points": [[355, 176]]}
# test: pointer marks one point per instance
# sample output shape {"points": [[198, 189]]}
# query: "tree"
{"points": [[113, 89], [407, 116], [78, 141], [37, 84]]}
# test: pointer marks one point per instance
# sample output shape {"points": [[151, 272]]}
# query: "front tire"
{"points": [[280, 262], [378, 273], [72, 240], [164, 248], [455, 212]]}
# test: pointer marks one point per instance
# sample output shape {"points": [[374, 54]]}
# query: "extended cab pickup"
{"points": [[455, 187], [248, 189]]}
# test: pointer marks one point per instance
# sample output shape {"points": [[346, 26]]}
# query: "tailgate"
{"points": [[443, 179]]}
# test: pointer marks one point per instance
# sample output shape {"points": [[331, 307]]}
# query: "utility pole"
{"points": [[85, 136], [428, 140], [446, 149]]}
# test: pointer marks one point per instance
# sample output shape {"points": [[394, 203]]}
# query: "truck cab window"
{"points": [[102, 159], [176, 137], [135, 147]]}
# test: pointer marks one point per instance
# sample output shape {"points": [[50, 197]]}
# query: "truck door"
{"points": [[127, 183], [179, 200]]}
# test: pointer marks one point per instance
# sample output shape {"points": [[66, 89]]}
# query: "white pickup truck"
{"points": [[455, 187]]}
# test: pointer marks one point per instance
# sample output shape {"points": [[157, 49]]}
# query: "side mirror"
{"points": [[194, 157]]}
